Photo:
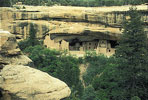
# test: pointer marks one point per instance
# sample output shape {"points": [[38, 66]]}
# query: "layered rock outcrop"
{"points": [[61, 21], [18, 81], [76, 29], [10, 54]]}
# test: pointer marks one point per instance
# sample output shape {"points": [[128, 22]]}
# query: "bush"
{"points": [[89, 93], [135, 98], [97, 64]]}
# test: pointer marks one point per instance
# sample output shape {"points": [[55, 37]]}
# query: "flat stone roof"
{"points": [[1, 31]]}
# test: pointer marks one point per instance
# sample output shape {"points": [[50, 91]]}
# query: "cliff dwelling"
{"points": [[78, 47]]}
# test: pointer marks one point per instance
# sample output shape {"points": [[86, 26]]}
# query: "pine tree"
{"points": [[5, 3], [32, 36], [133, 55]]}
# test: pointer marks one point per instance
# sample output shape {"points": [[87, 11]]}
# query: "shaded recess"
{"points": [[85, 42], [113, 43]]}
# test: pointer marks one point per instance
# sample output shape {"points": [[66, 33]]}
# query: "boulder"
{"points": [[20, 82], [8, 44]]}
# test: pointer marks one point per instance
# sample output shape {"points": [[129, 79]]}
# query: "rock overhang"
{"points": [[70, 20]]}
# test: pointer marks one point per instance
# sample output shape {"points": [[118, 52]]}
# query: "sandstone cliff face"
{"points": [[18, 81], [68, 22], [76, 29]]}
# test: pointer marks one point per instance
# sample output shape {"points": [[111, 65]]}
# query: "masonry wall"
{"points": [[64, 45], [90, 45], [61, 45], [104, 47], [51, 43]]}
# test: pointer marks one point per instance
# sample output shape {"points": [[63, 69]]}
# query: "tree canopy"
{"points": [[132, 50], [86, 3]]}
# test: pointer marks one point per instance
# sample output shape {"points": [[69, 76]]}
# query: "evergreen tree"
{"points": [[88, 94], [32, 35], [127, 77], [5, 3], [132, 51]]}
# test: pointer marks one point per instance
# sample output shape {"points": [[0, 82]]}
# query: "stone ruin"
{"points": [[78, 47]]}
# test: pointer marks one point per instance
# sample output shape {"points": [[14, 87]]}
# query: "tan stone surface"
{"points": [[69, 20], [51, 43], [66, 23], [10, 52], [8, 45], [64, 45], [31, 84]]}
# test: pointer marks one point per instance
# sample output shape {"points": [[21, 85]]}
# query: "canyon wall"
{"points": [[71, 24], [100, 22]]}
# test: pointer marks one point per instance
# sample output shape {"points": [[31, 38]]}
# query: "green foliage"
{"points": [[32, 35], [97, 64], [56, 64], [99, 74], [135, 98], [133, 51], [5, 3], [127, 77], [106, 85], [42, 57], [86, 3], [23, 44], [123, 77], [68, 70], [90, 56], [89, 93], [74, 95]]}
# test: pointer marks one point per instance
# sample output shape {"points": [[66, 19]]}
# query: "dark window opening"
{"points": [[80, 43], [18, 37], [1, 95], [60, 42], [113, 43], [72, 44]]}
